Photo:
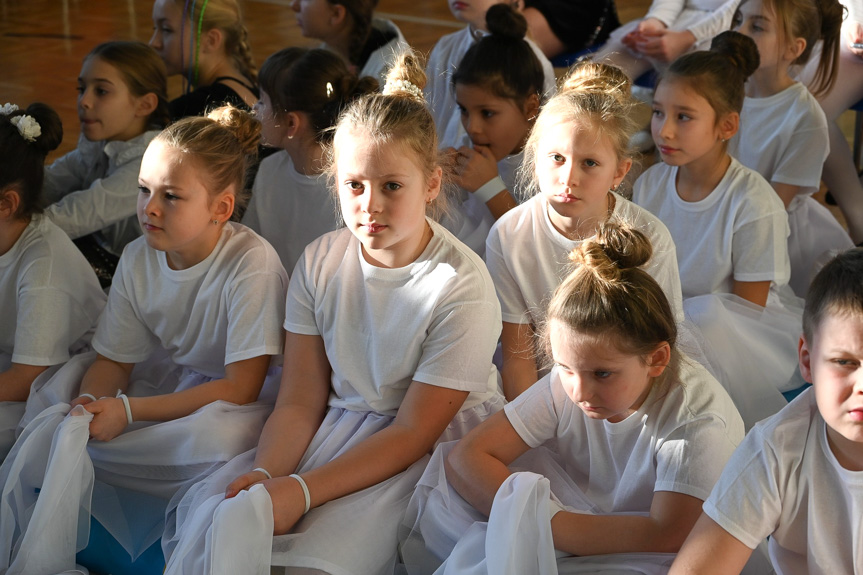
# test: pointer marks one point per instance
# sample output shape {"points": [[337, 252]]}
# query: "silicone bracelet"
{"points": [[264, 471], [490, 189], [90, 395], [305, 491], [125, 399]]}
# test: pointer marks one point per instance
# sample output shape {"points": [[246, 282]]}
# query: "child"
{"points": [[391, 325], [631, 435], [92, 190], [207, 42], [783, 131], [498, 88], [348, 27], [795, 478], [51, 298], [576, 157], [302, 93], [445, 58], [188, 337], [728, 223]]}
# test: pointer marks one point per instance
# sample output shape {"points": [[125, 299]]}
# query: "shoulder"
{"points": [[750, 192], [788, 431], [519, 218], [274, 165], [451, 45], [124, 152], [251, 253], [641, 219], [458, 268], [697, 396]]}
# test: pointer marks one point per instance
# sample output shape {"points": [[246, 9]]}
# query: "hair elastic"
{"points": [[198, 39], [305, 488], [182, 41], [264, 471], [490, 189], [90, 395], [125, 400]]}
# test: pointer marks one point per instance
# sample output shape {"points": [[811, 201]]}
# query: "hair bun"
{"points": [[406, 77], [49, 123], [245, 128], [615, 247], [740, 49], [588, 76], [505, 21]]}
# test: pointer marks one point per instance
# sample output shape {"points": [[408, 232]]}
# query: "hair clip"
{"points": [[8, 109], [330, 90], [28, 127], [402, 86]]}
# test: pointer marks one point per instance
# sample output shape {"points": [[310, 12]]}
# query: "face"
{"points": [[383, 194], [314, 17], [684, 123], [833, 362], [170, 38], [755, 20], [603, 382], [175, 210], [272, 129], [106, 108], [575, 168], [497, 123], [471, 11]]}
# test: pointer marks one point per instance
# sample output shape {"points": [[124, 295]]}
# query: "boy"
{"points": [[798, 476]]}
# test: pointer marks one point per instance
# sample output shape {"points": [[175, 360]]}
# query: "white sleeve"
{"points": [[108, 200], [300, 301], [759, 250], [512, 304], [801, 163], [534, 414], [256, 306], [49, 322], [718, 21], [666, 11], [65, 174]]}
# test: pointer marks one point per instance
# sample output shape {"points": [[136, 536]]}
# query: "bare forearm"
{"points": [[476, 476], [277, 455], [518, 374], [15, 382], [182, 403], [105, 377], [581, 534], [501, 204]]}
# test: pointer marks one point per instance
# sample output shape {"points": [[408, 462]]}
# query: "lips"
{"points": [[150, 227], [856, 414], [566, 198], [373, 228], [667, 150]]}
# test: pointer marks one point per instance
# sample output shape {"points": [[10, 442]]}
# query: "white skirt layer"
{"points": [[444, 527], [139, 471], [751, 350], [353, 534], [815, 237]]}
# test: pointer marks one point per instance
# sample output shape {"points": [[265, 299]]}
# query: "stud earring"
{"points": [[215, 222]]}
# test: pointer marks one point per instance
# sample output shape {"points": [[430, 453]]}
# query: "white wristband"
{"points": [[125, 400], [264, 471], [90, 395], [490, 189], [305, 491]]}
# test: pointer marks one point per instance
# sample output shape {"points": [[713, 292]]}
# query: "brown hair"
{"points": [[399, 114], [224, 144], [22, 161], [143, 72], [594, 95], [609, 296], [837, 289], [718, 75], [360, 12], [316, 82]]}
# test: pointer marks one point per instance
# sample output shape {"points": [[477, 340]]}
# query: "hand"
{"points": [[109, 418], [665, 45], [243, 482], [288, 503], [83, 400], [855, 36], [474, 167], [651, 26]]}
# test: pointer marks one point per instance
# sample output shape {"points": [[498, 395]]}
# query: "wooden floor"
{"points": [[42, 42]]}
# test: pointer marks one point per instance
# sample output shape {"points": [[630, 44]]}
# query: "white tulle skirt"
{"points": [[134, 476], [353, 534], [815, 237], [444, 534]]}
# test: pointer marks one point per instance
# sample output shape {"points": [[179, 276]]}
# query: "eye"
{"points": [[591, 163], [736, 20], [462, 111], [143, 190], [658, 113], [171, 197], [354, 185], [563, 368], [601, 374], [684, 117], [846, 363], [392, 186], [555, 157], [488, 113], [80, 89], [101, 91]]}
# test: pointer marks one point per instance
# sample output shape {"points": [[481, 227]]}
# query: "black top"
{"points": [[377, 39], [578, 24], [200, 101]]}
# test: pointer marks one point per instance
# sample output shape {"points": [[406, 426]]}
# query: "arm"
{"points": [[476, 166], [15, 382], [786, 192], [707, 542], [519, 366], [755, 292]]}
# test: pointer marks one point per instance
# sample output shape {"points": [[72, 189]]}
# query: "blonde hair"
{"points": [[594, 95], [224, 144], [399, 114], [608, 296]]}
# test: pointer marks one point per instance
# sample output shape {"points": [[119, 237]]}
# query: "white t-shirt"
{"points": [[94, 188], [679, 440], [784, 481], [528, 258], [289, 209], [784, 138], [443, 60], [738, 232], [435, 320], [224, 309], [380, 61], [50, 296]]}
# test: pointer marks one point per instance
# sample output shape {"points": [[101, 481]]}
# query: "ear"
{"points": [[658, 360], [794, 49], [434, 184], [728, 125], [146, 105], [338, 15], [531, 107], [804, 358], [10, 201], [222, 206], [623, 167], [211, 41], [293, 123]]}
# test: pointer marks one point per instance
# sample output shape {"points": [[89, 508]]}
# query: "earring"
{"points": [[290, 136], [215, 222]]}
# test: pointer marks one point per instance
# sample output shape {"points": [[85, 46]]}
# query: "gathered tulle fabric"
{"points": [[815, 237], [353, 534]]}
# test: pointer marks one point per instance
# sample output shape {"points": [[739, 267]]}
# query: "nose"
{"points": [[663, 128], [85, 99], [581, 390], [156, 40], [569, 175], [370, 202]]}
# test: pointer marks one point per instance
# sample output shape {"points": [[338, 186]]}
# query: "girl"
{"points": [[630, 434], [207, 42], [576, 157], [390, 329], [498, 87], [729, 224], [782, 123], [348, 27], [122, 105], [187, 338], [302, 93], [51, 298], [445, 58]]}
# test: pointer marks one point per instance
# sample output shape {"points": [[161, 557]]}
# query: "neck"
{"points": [[766, 82], [340, 43], [584, 226], [848, 453], [10, 232], [306, 154], [388, 258], [209, 70], [193, 255], [699, 177]]}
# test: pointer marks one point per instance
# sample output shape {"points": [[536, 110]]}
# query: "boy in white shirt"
{"points": [[798, 475]]}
